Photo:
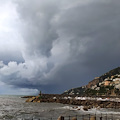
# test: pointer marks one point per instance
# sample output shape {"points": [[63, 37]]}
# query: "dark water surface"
{"points": [[15, 108]]}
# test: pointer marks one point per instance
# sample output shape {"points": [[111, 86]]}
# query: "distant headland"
{"points": [[102, 92]]}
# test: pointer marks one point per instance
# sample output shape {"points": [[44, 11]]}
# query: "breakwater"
{"points": [[87, 102]]}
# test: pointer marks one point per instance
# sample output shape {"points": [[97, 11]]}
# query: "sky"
{"points": [[55, 45]]}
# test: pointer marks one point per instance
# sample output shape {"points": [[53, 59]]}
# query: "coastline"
{"points": [[86, 102], [15, 108]]}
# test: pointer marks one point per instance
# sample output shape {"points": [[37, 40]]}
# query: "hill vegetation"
{"points": [[107, 84]]}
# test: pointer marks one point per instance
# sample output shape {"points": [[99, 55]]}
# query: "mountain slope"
{"points": [[103, 77], [97, 85]]}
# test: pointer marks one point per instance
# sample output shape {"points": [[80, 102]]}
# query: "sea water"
{"points": [[15, 108]]}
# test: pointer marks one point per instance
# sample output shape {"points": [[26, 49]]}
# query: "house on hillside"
{"points": [[112, 77], [116, 81], [108, 82], [117, 86], [118, 76]]}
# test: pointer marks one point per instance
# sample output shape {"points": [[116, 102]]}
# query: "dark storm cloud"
{"points": [[66, 44], [37, 16]]}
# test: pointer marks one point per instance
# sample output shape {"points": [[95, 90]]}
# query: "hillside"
{"points": [[96, 80], [75, 91], [106, 84]]}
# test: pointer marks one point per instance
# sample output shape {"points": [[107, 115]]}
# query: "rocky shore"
{"points": [[87, 102]]}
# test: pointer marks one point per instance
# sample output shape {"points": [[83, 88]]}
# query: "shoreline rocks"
{"points": [[88, 103]]}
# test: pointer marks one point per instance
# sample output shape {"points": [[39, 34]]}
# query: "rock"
{"points": [[74, 118], [37, 97], [31, 99], [61, 118], [101, 105], [85, 108], [93, 82], [110, 105], [89, 107], [27, 96], [92, 118]]}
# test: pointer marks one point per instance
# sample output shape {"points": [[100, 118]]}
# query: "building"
{"points": [[107, 82], [117, 82]]}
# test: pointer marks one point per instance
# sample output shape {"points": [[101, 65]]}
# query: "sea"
{"points": [[15, 108]]}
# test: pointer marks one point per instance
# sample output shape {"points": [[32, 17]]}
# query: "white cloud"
{"points": [[10, 39]]}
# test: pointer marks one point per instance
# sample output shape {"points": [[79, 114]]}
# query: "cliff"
{"points": [[93, 82]]}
